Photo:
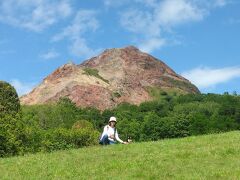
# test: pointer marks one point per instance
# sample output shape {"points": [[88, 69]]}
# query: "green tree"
{"points": [[82, 124], [9, 101], [129, 128], [11, 126], [151, 127]]}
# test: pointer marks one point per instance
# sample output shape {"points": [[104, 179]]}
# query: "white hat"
{"points": [[112, 119]]}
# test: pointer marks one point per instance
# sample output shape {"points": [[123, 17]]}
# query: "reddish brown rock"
{"points": [[115, 76]]}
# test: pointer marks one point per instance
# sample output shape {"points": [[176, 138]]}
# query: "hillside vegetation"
{"points": [[63, 125], [214, 156]]}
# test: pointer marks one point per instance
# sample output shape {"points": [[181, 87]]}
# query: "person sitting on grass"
{"points": [[110, 134]]}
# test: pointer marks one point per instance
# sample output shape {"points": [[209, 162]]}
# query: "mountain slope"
{"points": [[116, 75], [203, 157]]}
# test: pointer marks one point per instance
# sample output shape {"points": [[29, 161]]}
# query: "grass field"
{"points": [[202, 157]]}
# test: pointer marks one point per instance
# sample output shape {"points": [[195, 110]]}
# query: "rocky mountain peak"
{"points": [[116, 75]]}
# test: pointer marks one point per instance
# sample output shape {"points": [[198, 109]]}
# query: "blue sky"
{"points": [[199, 39]]}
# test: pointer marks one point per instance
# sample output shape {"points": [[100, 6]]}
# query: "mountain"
{"points": [[117, 75]]}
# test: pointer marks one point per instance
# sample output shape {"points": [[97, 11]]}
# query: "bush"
{"points": [[152, 127], [11, 135], [62, 114], [178, 128], [33, 139], [82, 124], [9, 101], [62, 138], [63, 125], [129, 128], [11, 126], [81, 134]]}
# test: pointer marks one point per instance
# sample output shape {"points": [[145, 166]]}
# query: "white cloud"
{"points": [[159, 17], [151, 44], [80, 48], [221, 3], [138, 21], [114, 3], [205, 77], [150, 3], [35, 15], [52, 54], [21, 87], [175, 12], [84, 22]]}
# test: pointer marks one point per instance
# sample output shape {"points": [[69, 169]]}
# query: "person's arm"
{"points": [[118, 139], [105, 131]]}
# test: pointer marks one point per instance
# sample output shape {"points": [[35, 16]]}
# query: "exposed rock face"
{"points": [[117, 75]]}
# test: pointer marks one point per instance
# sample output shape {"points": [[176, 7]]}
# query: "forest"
{"points": [[63, 125]]}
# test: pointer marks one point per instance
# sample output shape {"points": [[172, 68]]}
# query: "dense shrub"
{"points": [[62, 114], [151, 127], [63, 125], [62, 138], [83, 124], [11, 126], [9, 101], [130, 129], [11, 135]]}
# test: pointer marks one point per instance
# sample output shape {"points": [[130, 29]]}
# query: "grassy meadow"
{"points": [[215, 156]]}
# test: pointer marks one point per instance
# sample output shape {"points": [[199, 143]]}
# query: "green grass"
{"points": [[160, 94], [116, 94], [202, 157], [94, 72], [180, 84]]}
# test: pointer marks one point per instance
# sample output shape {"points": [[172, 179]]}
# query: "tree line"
{"points": [[63, 125]]}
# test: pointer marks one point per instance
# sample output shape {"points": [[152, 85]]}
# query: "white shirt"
{"points": [[110, 131]]}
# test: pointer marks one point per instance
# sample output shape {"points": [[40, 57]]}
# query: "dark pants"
{"points": [[106, 141]]}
